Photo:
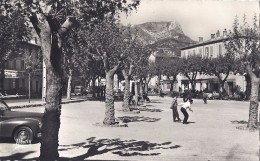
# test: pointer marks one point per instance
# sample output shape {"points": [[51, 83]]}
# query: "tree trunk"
{"points": [[222, 90], [146, 86], [141, 90], [253, 108], [248, 86], [50, 45], [69, 85], [136, 92], [110, 109], [126, 94], [158, 84], [50, 37], [2, 76], [94, 87]]}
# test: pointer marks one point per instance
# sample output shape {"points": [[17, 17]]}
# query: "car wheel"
{"points": [[23, 135]]}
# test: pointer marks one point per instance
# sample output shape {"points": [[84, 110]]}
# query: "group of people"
{"points": [[184, 106]]}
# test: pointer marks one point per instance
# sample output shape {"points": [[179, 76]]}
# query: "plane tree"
{"points": [[107, 41], [243, 43], [221, 67], [190, 67], [171, 68], [134, 66], [51, 20]]}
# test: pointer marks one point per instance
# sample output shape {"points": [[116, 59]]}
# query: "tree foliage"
{"points": [[243, 42], [221, 67], [190, 67], [52, 19]]}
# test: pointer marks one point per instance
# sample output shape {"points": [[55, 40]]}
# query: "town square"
{"points": [[217, 131], [129, 80]]}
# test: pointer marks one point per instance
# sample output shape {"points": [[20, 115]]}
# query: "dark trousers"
{"points": [[186, 115], [175, 114], [205, 100]]}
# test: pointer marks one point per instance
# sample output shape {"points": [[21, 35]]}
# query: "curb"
{"points": [[42, 104]]}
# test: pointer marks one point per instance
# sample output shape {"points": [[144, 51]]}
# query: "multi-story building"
{"points": [[210, 48], [17, 78]]}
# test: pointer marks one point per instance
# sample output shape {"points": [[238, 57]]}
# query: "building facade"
{"points": [[211, 48], [17, 77]]}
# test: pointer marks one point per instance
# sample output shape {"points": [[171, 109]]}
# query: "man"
{"points": [[175, 113], [184, 106]]}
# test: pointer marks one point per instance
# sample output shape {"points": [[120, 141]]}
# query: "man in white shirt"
{"points": [[184, 106]]}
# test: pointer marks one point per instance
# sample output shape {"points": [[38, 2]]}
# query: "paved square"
{"points": [[151, 134]]}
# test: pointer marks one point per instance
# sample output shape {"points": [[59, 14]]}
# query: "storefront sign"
{"points": [[13, 74]]}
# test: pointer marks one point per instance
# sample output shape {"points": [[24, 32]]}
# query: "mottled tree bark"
{"points": [[126, 92], [253, 108], [109, 103], [248, 86], [52, 55]]}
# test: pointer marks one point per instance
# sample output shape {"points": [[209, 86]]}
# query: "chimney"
{"points": [[225, 32], [212, 36], [218, 34], [200, 39]]}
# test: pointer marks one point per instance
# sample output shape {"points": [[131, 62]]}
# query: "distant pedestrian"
{"points": [[184, 106], [205, 97], [175, 113]]}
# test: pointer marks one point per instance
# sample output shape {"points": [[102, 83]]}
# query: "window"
{"points": [[206, 51], [220, 49], [211, 51], [22, 64]]}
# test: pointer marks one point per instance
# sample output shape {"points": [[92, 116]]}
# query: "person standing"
{"points": [[175, 113], [184, 106], [205, 97]]}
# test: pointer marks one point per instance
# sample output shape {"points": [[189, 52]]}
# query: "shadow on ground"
{"points": [[239, 122], [149, 109], [126, 119], [117, 146]]}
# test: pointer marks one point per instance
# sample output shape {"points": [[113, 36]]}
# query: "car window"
{"points": [[3, 107]]}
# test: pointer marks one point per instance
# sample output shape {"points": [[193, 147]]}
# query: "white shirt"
{"points": [[185, 104]]}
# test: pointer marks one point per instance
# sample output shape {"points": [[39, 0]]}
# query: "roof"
{"points": [[211, 41]]}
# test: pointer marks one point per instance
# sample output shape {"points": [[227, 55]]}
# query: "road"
{"points": [[213, 133]]}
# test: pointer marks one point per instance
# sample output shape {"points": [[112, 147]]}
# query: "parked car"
{"points": [[80, 90], [23, 127], [213, 95], [118, 94]]}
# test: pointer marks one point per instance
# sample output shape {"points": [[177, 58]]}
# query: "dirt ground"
{"points": [[213, 133]]}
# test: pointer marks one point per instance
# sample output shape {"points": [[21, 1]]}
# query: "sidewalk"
{"points": [[24, 103]]}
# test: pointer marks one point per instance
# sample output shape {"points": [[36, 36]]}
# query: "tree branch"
{"points": [[66, 25]]}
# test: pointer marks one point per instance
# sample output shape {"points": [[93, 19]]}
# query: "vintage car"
{"points": [[23, 127], [80, 90]]}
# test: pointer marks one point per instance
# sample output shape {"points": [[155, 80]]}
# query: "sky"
{"points": [[198, 18]]}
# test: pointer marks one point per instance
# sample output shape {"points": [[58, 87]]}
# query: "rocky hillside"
{"points": [[162, 35]]}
